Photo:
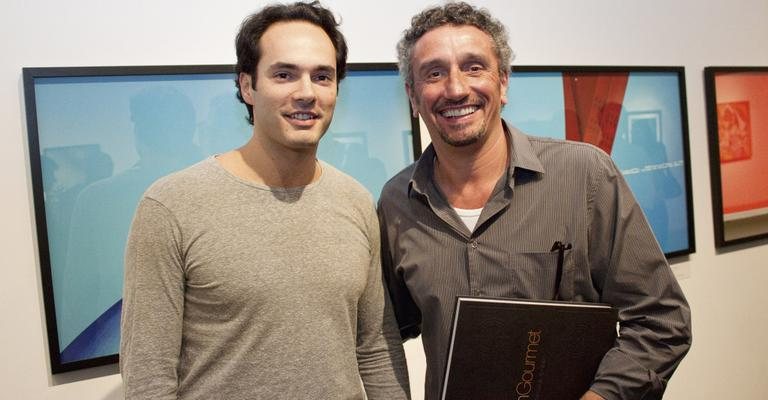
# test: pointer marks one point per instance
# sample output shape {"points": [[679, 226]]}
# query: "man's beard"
{"points": [[467, 140]]}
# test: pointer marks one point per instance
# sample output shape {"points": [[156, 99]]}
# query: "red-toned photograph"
{"points": [[737, 110]]}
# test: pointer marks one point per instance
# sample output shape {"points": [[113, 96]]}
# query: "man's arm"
{"points": [[153, 305], [380, 355], [407, 313], [631, 273]]}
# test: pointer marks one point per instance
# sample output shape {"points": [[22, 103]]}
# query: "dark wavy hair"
{"points": [[459, 13], [254, 26]]}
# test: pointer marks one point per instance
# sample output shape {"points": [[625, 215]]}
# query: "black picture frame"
{"points": [[737, 124], [548, 100], [64, 105]]}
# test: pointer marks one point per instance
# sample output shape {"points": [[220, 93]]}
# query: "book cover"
{"points": [[524, 349]]}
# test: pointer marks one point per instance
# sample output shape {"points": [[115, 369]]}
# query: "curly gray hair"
{"points": [[458, 13]]}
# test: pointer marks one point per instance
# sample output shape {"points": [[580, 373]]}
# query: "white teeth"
{"points": [[302, 116], [459, 112]]}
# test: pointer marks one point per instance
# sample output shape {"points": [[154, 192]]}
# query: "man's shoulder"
{"points": [[398, 186], [341, 194], [543, 142], [184, 182], [344, 185], [568, 153]]}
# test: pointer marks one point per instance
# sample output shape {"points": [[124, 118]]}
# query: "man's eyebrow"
{"points": [[293, 67], [282, 65], [465, 58], [325, 68], [429, 64]]}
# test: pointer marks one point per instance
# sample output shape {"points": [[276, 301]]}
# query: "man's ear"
{"points": [[504, 83], [412, 99], [246, 87]]}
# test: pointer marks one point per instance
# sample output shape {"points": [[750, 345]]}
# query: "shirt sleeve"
{"points": [[407, 313], [380, 355], [632, 274], [153, 305]]}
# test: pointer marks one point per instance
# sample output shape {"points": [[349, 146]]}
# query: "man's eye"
{"points": [[434, 74], [282, 75], [475, 68]]}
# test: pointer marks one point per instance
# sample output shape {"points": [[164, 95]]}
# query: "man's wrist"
{"points": [[590, 395]]}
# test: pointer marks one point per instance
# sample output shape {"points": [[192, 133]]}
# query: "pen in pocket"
{"points": [[561, 248]]}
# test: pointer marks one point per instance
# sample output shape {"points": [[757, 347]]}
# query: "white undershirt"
{"points": [[469, 217]]}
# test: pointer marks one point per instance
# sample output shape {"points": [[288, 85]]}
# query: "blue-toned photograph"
{"points": [[637, 116], [101, 136]]}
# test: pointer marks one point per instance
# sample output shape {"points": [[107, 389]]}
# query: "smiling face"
{"points": [[295, 92], [457, 88]]}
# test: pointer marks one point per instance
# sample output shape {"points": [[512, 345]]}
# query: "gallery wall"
{"points": [[726, 289]]}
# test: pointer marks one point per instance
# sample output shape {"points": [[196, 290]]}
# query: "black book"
{"points": [[524, 349]]}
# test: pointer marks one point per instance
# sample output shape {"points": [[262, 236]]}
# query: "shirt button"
{"points": [[473, 244]]}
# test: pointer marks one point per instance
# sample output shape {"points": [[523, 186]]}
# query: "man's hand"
{"points": [[590, 395]]}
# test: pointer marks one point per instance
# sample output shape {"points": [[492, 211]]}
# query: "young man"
{"points": [[477, 214], [255, 274]]}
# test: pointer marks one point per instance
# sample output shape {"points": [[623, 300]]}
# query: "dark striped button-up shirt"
{"points": [[553, 191]]}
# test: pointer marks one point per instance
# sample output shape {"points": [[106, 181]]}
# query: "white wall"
{"points": [[729, 358]]}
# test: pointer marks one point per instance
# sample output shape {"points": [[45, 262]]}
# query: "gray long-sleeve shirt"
{"points": [[239, 291], [553, 191]]}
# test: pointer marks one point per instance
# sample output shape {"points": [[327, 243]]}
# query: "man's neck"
{"points": [[467, 175], [274, 167]]}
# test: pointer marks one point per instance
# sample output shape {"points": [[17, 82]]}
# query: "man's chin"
{"points": [[461, 140], [461, 143]]}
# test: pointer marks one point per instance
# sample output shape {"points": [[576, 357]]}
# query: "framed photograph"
{"points": [[99, 136], [638, 115], [737, 118]]}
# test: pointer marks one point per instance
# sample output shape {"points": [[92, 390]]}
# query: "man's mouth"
{"points": [[302, 116], [459, 111]]}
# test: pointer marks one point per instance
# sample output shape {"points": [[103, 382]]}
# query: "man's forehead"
{"points": [[449, 38], [297, 43], [438, 46], [291, 33]]}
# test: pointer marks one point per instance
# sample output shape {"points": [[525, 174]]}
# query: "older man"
{"points": [[479, 212]]}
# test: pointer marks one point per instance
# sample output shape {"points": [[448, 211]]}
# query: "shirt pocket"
{"points": [[533, 274]]}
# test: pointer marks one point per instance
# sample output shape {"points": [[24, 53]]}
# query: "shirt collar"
{"points": [[522, 156]]}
